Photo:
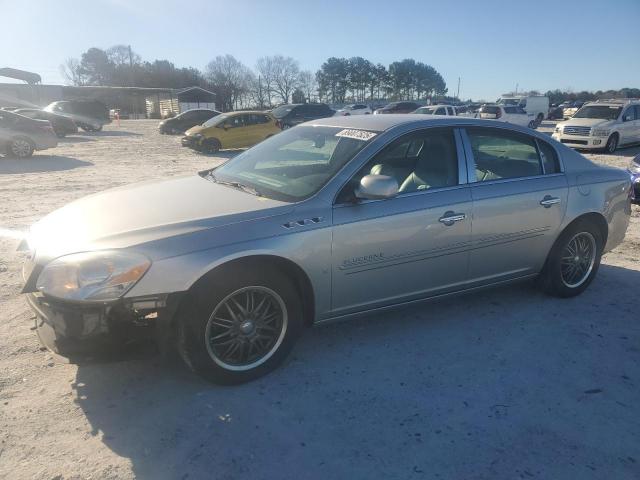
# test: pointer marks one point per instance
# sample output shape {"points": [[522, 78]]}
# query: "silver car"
{"points": [[337, 217]]}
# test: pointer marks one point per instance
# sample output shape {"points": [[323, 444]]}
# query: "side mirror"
{"points": [[377, 187]]}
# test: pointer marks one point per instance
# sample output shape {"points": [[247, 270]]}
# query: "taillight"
{"points": [[499, 113]]}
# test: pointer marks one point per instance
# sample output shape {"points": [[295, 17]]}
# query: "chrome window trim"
{"points": [[459, 152], [406, 195]]}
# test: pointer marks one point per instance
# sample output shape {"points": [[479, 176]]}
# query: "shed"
{"points": [[172, 102]]}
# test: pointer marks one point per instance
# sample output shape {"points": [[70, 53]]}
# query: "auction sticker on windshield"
{"points": [[356, 134]]}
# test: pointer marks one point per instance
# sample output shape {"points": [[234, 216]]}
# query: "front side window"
{"points": [[500, 154], [418, 161], [440, 111], [296, 163], [629, 114]]}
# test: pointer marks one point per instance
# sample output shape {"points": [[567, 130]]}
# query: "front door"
{"points": [[410, 246], [519, 199]]}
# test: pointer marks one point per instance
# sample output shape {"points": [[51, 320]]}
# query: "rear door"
{"points": [[519, 200], [628, 126]]}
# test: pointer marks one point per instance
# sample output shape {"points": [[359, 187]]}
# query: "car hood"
{"points": [[196, 129], [586, 122], [144, 212]]}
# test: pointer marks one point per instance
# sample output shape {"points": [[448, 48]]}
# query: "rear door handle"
{"points": [[449, 218], [548, 200]]}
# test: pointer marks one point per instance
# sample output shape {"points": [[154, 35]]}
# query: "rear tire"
{"points": [[539, 120], [573, 261], [207, 329]]}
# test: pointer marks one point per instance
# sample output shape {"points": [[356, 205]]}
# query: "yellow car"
{"points": [[231, 130]]}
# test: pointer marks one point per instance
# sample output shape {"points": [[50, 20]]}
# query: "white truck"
{"points": [[508, 113], [538, 105]]}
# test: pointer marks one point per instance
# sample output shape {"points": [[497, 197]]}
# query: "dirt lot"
{"points": [[504, 384]]}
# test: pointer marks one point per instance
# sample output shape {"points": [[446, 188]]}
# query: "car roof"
{"points": [[380, 123]]}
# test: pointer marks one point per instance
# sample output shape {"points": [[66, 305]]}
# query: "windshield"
{"points": [[426, 110], [599, 111], [215, 120], [295, 163], [282, 110]]}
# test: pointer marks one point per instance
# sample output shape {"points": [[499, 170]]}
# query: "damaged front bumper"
{"points": [[125, 319]]}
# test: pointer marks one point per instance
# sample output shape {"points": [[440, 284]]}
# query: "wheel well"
{"points": [[299, 278], [598, 220]]}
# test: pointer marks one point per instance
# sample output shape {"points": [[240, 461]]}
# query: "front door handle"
{"points": [[449, 218], [548, 200]]}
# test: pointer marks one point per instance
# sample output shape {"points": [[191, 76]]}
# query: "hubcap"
{"points": [[578, 258], [20, 148], [246, 328]]}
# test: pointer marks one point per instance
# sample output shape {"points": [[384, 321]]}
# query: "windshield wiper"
{"points": [[237, 185]]}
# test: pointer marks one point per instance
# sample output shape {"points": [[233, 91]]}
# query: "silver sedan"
{"points": [[337, 217]]}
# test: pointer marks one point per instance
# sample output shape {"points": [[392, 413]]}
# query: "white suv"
{"points": [[602, 125], [355, 109], [509, 114]]}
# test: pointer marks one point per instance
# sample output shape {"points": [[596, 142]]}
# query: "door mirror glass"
{"points": [[377, 187]]}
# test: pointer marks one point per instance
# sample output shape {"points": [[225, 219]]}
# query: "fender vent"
{"points": [[303, 223]]}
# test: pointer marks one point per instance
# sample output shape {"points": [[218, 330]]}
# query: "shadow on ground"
{"points": [[40, 163], [75, 139], [111, 133], [506, 383]]}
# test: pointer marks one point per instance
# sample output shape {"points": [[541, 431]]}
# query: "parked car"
{"points": [[536, 105], [293, 114], [21, 136], [556, 112], [355, 109], [339, 217], [231, 130], [89, 115], [571, 109], [602, 125], [437, 110], [634, 172], [397, 107], [509, 114], [186, 120], [62, 125]]}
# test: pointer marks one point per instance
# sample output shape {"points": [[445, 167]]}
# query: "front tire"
{"points": [[239, 325], [573, 261], [211, 145], [20, 147], [612, 144]]}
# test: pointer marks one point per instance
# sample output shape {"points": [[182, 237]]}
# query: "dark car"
{"points": [[292, 114], [20, 136], [556, 112], [186, 120], [398, 107], [61, 125], [89, 115]]}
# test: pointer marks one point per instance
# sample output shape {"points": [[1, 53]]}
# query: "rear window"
{"points": [[490, 109]]}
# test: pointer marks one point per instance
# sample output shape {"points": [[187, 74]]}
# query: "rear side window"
{"points": [[440, 111], [500, 154], [549, 158], [510, 109]]}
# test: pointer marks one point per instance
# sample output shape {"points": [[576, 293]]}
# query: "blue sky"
{"points": [[491, 45]]}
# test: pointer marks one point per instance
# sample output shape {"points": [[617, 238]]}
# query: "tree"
{"points": [[308, 85], [229, 79], [266, 73], [123, 55], [332, 79], [71, 71], [96, 67], [286, 73], [298, 96]]}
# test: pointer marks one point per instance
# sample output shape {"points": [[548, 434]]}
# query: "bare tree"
{"points": [[308, 85], [265, 69], [123, 55], [286, 73], [71, 72], [229, 79]]}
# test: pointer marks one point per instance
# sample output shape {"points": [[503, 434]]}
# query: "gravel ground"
{"points": [[503, 384]]}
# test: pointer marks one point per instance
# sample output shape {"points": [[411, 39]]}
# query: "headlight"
{"points": [[634, 165], [558, 130], [600, 132], [100, 276]]}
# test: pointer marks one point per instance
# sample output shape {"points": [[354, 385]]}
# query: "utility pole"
{"points": [[458, 94], [516, 89]]}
